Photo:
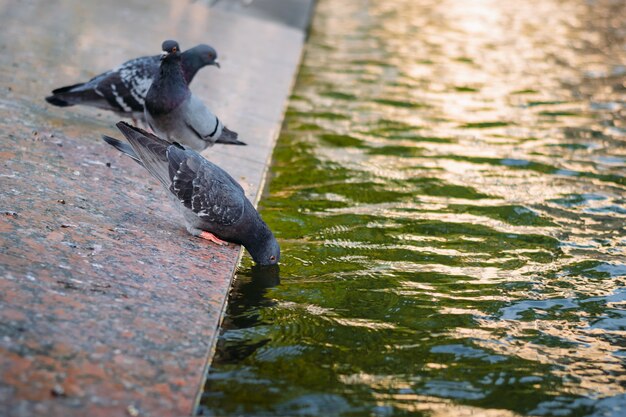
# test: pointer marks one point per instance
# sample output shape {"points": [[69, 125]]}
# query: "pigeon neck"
{"points": [[169, 90], [191, 64], [172, 70]]}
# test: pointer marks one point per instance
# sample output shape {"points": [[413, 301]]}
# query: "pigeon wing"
{"points": [[205, 188], [125, 87], [137, 78], [201, 121]]}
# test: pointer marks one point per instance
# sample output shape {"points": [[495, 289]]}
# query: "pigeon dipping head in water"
{"points": [[213, 204]]}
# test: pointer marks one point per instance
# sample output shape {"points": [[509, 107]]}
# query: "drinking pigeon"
{"points": [[123, 89], [172, 111], [212, 202]]}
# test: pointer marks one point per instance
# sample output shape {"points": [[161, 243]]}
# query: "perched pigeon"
{"points": [[123, 89], [212, 202], [172, 111]]}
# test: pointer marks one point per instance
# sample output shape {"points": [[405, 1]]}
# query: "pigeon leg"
{"points": [[205, 235], [212, 238]]}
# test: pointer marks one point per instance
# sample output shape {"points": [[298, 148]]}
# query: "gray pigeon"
{"points": [[123, 89], [172, 111], [212, 202]]}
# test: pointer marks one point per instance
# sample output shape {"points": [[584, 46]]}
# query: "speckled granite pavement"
{"points": [[107, 305]]}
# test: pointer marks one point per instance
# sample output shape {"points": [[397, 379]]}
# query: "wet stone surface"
{"points": [[105, 298], [107, 305]]}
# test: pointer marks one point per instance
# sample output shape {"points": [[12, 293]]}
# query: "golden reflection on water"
{"points": [[590, 365], [482, 204], [495, 49]]}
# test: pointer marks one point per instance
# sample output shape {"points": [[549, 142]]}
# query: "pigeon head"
{"points": [[170, 49], [265, 251], [198, 57], [205, 55]]}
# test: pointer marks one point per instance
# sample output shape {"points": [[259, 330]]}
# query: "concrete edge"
{"points": [[259, 194]]}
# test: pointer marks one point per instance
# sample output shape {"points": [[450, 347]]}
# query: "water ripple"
{"points": [[449, 191]]}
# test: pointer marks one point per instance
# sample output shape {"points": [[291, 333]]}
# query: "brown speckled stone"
{"points": [[108, 307], [107, 296]]}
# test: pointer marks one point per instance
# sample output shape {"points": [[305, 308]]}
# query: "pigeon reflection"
{"points": [[249, 295], [264, 276]]}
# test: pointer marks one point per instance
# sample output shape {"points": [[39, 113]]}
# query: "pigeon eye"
{"points": [[174, 49], [272, 258]]}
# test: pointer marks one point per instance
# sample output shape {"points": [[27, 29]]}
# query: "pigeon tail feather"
{"points": [[56, 101], [67, 88], [55, 98], [138, 134], [125, 148], [151, 150], [228, 137], [72, 94]]}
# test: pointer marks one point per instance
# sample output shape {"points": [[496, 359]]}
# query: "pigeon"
{"points": [[123, 89], [172, 111], [213, 204]]}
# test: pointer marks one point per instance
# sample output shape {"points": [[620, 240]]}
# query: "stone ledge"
{"points": [[107, 305]]}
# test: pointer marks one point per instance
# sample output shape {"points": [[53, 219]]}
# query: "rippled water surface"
{"points": [[449, 193]]}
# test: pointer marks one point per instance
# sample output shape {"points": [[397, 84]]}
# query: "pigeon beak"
{"points": [[217, 64], [163, 55]]}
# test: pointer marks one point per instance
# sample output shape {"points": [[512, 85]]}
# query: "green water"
{"points": [[449, 194]]}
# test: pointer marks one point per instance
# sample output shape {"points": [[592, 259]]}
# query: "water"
{"points": [[448, 191]]}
